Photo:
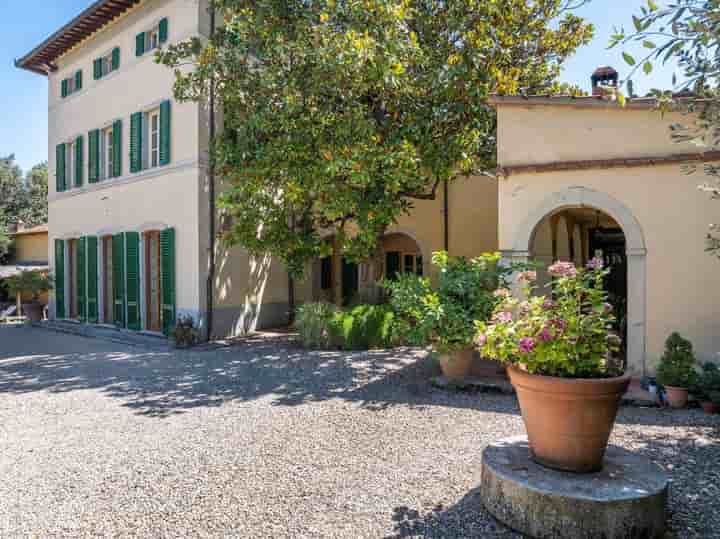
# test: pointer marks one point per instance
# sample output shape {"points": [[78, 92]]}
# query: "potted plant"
{"points": [[33, 283], [560, 355], [677, 370], [185, 334], [444, 316], [707, 388]]}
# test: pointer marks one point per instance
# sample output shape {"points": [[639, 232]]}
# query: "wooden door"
{"points": [[153, 290]]}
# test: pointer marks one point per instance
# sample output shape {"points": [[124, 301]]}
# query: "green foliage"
{"points": [[340, 112], [677, 365], [445, 316], [5, 240], [23, 199], [566, 334], [185, 333], [707, 384], [314, 323], [32, 282], [37, 189]]}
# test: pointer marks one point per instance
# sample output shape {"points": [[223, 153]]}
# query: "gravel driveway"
{"points": [[262, 439]]}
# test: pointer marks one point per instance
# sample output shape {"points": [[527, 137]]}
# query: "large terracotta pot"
{"points": [[33, 311], [568, 420], [677, 397], [456, 365]]}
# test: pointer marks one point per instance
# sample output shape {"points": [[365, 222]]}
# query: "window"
{"points": [[154, 124], [107, 154], [105, 64], [70, 163], [71, 85], [152, 38]]}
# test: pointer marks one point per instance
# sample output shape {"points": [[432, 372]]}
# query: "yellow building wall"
{"points": [[30, 248]]}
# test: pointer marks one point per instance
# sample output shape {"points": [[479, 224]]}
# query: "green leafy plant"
{"points": [[707, 384], [185, 333], [314, 322], [444, 316], [364, 327], [29, 282], [677, 365], [566, 334]]}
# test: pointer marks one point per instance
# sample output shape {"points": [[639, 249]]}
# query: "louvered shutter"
{"points": [[140, 44], [60, 168], [78, 80], [81, 279], [92, 279], [97, 69], [115, 58], [94, 156], [59, 278], [118, 261], [79, 166], [64, 88], [163, 30], [132, 278], [136, 121], [167, 279], [117, 148], [165, 133]]}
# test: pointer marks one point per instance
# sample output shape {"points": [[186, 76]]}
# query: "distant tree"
{"points": [[5, 240], [14, 199], [339, 114], [36, 183]]}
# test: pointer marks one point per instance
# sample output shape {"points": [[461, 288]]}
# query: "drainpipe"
{"points": [[291, 285], [446, 217], [211, 194]]}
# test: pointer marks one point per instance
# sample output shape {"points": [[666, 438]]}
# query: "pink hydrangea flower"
{"points": [[503, 316], [524, 308], [527, 344], [527, 276], [546, 335], [481, 339], [559, 323], [595, 263], [563, 269]]}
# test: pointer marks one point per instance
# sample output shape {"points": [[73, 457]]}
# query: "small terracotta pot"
{"points": [[568, 420], [677, 397], [709, 407], [456, 365]]}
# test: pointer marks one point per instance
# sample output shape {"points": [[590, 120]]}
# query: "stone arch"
{"points": [[573, 197]]}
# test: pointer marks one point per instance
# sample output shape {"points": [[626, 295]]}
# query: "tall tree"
{"points": [[688, 32], [339, 114], [36, 183], [5, 240], [14, 201]]}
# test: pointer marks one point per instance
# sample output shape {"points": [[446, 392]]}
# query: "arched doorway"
{"points": [[610, 227]]}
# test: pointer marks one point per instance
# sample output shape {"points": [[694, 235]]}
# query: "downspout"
{"points": [[291, 285], [211, 195], [446, 218]]}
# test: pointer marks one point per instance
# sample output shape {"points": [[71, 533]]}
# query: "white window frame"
{"points": [[151, 152], [106, 152], [106, 63], [70, 164]]}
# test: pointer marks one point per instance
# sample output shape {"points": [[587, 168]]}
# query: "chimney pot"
{"points": [[603, 76]]}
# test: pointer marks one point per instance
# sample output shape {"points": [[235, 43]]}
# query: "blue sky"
{"points": [[27, 23]]}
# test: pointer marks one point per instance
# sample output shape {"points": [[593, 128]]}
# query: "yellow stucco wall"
{"points": [[30, 248], [682, 286]]}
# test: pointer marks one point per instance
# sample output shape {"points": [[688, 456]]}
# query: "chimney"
{"points": [[603, 76]]}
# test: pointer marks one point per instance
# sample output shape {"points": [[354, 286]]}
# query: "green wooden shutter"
{"points": [[78, 80], [132, 276], [94, 156], [79, 166], [81, 279], [163, 30], [64, 88], [136, 121], [165, 133], [59, 279], [140, 44], [118, 260], [167, 279], [97, 68], [92, 279], [115, 59], [117, 148], [60, 168]]}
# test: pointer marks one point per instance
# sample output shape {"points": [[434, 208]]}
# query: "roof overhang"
{"points": [[580, 102], [41, 59]]}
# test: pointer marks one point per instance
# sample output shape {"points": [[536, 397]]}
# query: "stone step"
{"points": [[106, 332]]}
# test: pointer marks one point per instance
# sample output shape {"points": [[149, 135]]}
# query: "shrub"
{"points": [[185, 334], [707, 385], [677, 365], [314, 322], [29, 281], [364, 327]]}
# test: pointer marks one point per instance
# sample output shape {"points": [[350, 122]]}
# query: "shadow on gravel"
{"points": [[159, 384]]}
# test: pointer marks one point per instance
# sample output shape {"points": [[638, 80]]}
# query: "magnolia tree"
{"points": [[687, 32], [339, 114]]}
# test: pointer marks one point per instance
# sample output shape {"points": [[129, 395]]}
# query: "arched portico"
{"points": [[582, 197]]}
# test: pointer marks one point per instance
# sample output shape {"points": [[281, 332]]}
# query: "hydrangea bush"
{"points": [[565, 334]]}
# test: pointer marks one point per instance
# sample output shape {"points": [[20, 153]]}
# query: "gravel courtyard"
{"points": [[262, 439]]}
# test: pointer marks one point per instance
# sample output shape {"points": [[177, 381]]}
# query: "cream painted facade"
{"points": [[673, 284]]}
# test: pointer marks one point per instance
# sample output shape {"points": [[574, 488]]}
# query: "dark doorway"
{"points": [[349, 281], [610, 244]]}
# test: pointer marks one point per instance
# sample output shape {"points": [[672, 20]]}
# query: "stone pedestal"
{"points": [[626, 500]]}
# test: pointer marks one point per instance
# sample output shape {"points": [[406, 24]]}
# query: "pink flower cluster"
{"points": [[527, 276], [503, 316], [595, 263], [526, 345], [563, 269]]}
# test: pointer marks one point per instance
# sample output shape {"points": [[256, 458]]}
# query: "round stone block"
{"points": [[626, 500]]}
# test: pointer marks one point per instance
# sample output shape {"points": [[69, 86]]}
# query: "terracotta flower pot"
{"points": [[709, 407], [456, 365], [568, 420], [677, 397]]}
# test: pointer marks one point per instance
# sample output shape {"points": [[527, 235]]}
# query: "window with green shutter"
{"points": [[81, 280], [78, 80], [106, 64], [117, 148], [92, 279], [59, 278], [98, 68], [165, 132], [118, 268], [140, 44], [79, 167], [60, 168], [64, 88], [94, 156], [167, 279], [136, 128], [115, 59], [163, 30], [132, 279]]}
